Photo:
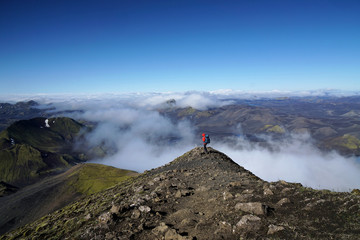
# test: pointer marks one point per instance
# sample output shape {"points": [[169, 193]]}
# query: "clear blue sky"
{"points": [[69, 46]]}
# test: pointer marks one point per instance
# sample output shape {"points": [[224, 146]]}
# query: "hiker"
{"points": [[206, 140]]}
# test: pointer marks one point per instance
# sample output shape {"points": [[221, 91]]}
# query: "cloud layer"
{"points": [[140, 138], [297, 160]]}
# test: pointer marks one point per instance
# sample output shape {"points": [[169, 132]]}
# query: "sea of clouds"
{"points": [[141, 138]]}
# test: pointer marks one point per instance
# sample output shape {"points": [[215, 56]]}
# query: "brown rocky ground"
{"points": [[202, 196]]}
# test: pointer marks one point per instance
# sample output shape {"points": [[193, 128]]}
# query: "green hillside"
{"points": [[51, 138], [32, 148], [94, 178], [52, 193]]}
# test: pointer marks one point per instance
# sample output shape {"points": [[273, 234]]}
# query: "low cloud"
{"points": [[138, 139], [296, 159]]}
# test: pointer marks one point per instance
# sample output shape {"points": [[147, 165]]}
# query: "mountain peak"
{"points": [[203, 196], [198, 159]]}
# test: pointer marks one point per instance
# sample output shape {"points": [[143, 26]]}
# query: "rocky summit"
{"points": [[202, 196]]}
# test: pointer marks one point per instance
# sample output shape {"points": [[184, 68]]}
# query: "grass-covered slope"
{"points": [[30, 148], [52, 193], [50, 137], [96, 177]]}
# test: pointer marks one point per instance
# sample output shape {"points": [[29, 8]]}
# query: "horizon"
{"points": [[93, 47], [127, 123]]}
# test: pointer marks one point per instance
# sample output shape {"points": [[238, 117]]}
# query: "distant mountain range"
{"points": [[9, 113], [333, 122]]}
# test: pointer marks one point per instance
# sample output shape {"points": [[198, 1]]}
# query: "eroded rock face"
{"points": [[203, 196]]}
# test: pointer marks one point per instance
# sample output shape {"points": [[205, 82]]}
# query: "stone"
{"points": [[249, 223], [115, 209], [182, 193], [160, 230], [274, 229], [283, 201], [243, 197], [144, 209], [88, 216], [235, 184], [227, 195], [256, 208], [248, 191], [139, 189], [268, 192], [178, 194], [171, 234], [188, 222], [135, 214], [202, 189], [224, 227], [283, 182], [109, 235], [105, 218], [286, 190]]}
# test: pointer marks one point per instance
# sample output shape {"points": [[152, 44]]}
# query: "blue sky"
{"points": [[62, 46]]}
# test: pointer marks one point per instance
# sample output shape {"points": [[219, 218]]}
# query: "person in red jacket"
{"points": [[206, 140]]}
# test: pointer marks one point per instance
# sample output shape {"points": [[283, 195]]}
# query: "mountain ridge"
{"points": [[202, 196]]}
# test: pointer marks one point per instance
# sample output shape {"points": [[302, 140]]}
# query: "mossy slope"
{"points": [[93, 178], [50, 194], [31, 148]]}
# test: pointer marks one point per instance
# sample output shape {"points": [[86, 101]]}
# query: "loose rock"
{"points": [[249, 223], [274, 229], [252, 207]]}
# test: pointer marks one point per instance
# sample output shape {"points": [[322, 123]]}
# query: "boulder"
{"points": [[256, 208], [249, 223]]}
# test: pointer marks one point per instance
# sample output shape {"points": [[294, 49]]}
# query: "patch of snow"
{"points": [[12, 141], [47, 123]]}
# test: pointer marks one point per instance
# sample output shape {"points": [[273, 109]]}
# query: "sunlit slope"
{"points": [[52, 193], [51, 137], [30, 148], [93, 178]]}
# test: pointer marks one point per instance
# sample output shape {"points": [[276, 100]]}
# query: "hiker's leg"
{"points": [[205, 149]]}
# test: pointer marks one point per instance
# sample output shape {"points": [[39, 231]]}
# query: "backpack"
{"points": [[207, 138]]}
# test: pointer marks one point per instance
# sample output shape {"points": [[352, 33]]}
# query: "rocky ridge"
{"points": [[202, 196]]}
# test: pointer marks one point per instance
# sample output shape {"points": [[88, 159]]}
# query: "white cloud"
{"points": [[297, 160]]}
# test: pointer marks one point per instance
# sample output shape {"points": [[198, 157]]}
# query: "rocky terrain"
{"points": [[202, 196]]}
